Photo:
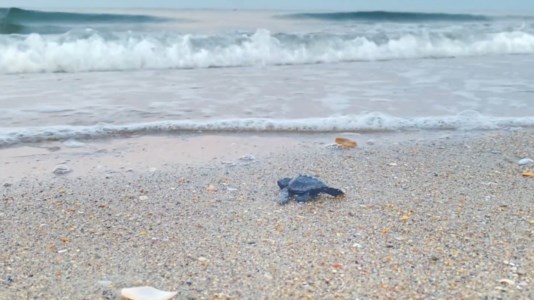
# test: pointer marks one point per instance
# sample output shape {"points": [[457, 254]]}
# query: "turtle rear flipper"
{"points": [[332, 191]]}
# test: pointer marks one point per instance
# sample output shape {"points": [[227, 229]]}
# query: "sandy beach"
{"points": [[424, 217]]}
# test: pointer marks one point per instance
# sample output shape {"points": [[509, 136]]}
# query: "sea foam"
{"points": [[91, 50], [468, 120]]}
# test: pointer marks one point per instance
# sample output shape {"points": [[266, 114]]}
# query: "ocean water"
{"points": [[91, 74]]}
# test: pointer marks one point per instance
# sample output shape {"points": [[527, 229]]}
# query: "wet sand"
{"points": [[423, 217]]}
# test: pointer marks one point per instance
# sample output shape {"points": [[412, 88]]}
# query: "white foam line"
{"points": [[369, 122]]}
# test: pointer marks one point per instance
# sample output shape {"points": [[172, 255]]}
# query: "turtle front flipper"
{"points": [[283, 196], [332, 191]]}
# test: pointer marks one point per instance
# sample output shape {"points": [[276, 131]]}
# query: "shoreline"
{"points": [[424, 216]]}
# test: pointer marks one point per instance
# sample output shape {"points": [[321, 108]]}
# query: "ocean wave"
{"points": [[91, 50], [468, 120], [389, 16], [21, 21]]}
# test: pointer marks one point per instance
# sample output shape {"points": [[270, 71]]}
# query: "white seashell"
{"points": [[525, 161], [146, 293]]}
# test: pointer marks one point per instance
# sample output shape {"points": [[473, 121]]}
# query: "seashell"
{"points": [[346, 143], [525, 161], [146, 293]]}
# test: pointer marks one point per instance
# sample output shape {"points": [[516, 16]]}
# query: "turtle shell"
{"points": [[304, 184]]}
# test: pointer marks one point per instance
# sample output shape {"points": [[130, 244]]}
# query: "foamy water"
{"points": [[311, 72]]}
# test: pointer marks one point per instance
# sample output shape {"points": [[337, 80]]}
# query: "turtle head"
{"points": [[283, 183]]}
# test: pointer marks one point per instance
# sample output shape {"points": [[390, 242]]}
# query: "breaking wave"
{"points": [[91, 50], [21, 21], [468, 120]]}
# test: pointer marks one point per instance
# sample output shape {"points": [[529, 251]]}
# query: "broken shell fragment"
{"points": [[346, 143], [528, 174], [525, 161], [506, 281], [146, 293]]}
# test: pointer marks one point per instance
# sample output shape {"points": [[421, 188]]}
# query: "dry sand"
{"points": [[423, 218]]}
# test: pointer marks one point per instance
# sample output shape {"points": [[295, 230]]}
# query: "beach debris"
{"points": [[506, 281], [143, 197], [146, 293], [106, 283], [405, 217], [211, 188], [346, 143], [528, 174], [392, 164], [203, 260], [304, 188], [62, 169], [220, 296], [525, 162], [337, 266], [53, 148], [247, 158]]}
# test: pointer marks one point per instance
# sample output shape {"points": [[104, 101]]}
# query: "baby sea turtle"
{"points": [[304, 188]]}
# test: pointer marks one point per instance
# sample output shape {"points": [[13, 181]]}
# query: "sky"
{"points": [[398, 5]]}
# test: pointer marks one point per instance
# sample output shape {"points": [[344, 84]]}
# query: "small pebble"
{"points": [[7, 184], [143, 198], [62, 169]]}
